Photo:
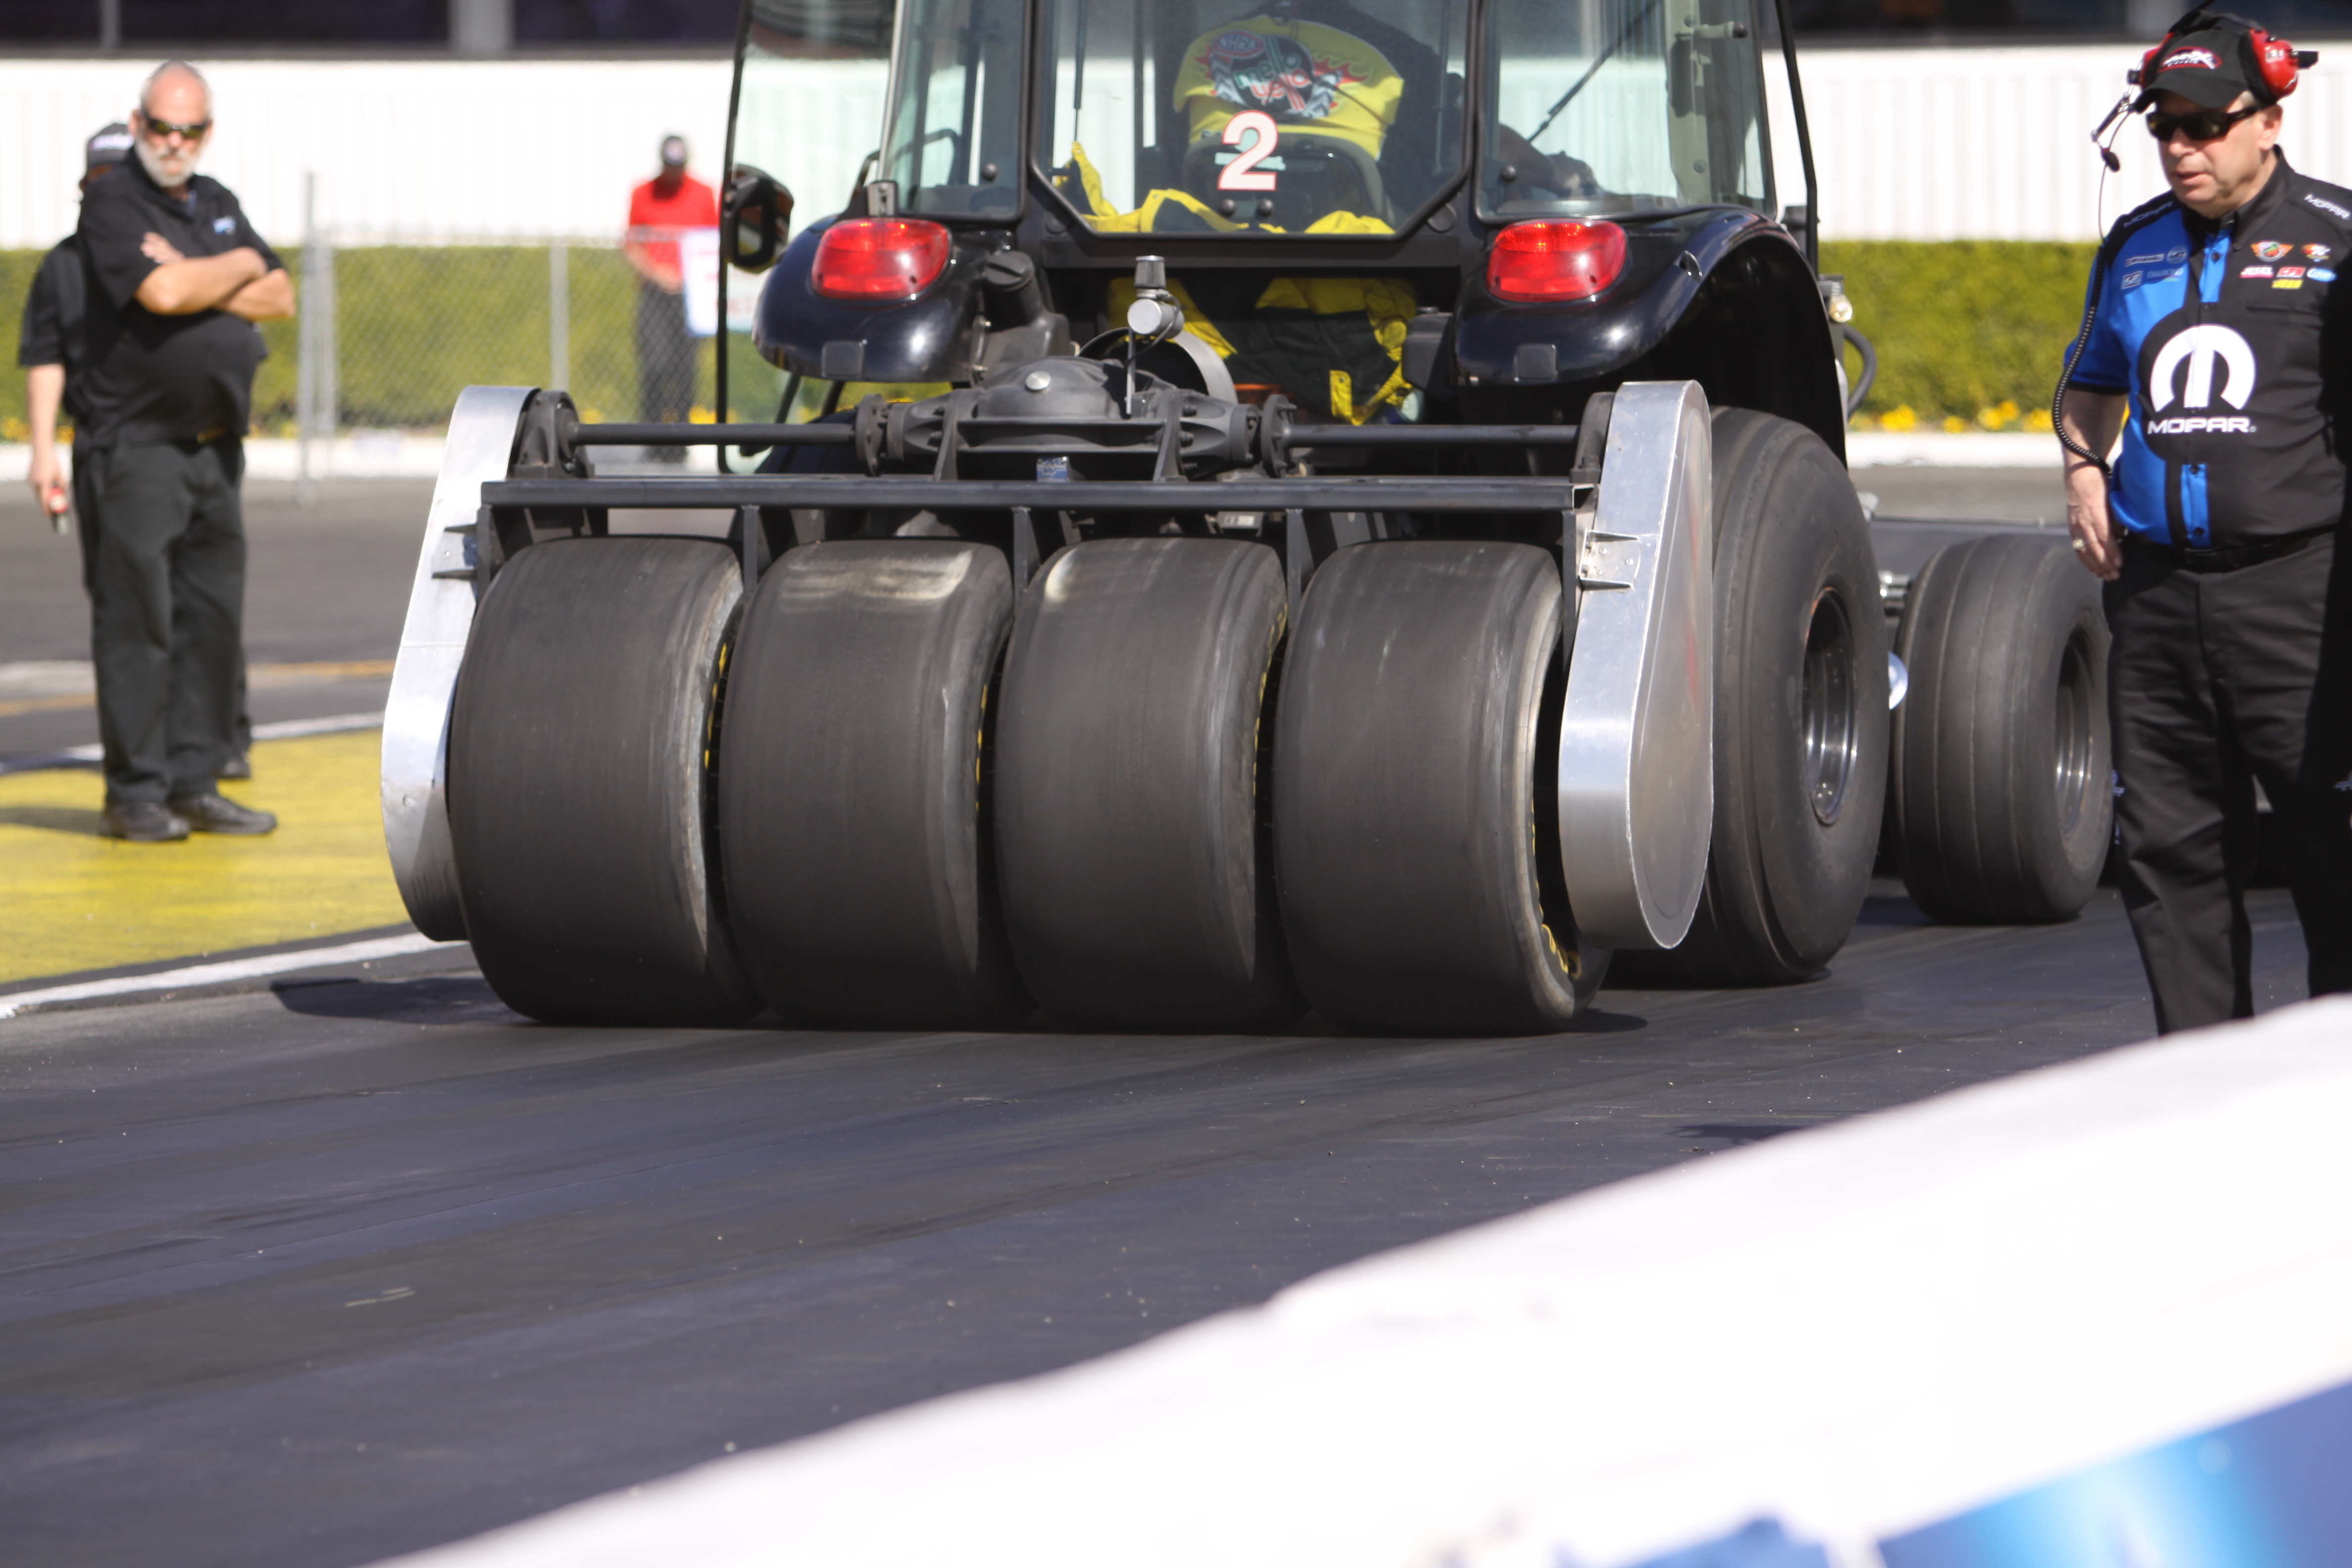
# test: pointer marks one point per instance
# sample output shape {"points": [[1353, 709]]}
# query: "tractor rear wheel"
{"points": [[579, 742], [859, 871], [1799, 714], [1417, 823], [1130, 822]]}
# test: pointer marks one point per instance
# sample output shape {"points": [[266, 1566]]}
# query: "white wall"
{"points": [[1994, 143], [425, 148], [1917, 144]]}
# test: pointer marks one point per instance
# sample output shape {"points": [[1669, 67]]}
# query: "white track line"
{"points": [[284, 729], [217, 974], [294, 729]]}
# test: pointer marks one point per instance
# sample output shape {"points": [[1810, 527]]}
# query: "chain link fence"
{"points": [[392, 330], [392, 327]]}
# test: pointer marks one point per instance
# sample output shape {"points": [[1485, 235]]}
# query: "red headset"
{"points": [[2279, 61]]}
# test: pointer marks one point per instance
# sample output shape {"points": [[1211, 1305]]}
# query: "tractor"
{"points": [[1332, 505]]}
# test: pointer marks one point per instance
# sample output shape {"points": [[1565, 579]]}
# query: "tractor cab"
{"points": [[1384, 211]]}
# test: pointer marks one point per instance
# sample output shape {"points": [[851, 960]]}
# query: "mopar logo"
{"points": [[2201, 346], [2226, 425]]}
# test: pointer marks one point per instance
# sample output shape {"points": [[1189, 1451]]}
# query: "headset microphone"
{"points": [[2103, 137]]}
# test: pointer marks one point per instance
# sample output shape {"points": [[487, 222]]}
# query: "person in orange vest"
{"points": [[670, 201]]}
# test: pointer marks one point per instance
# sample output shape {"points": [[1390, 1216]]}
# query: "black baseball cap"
{"points": [[2210, 68], [111, 145]]}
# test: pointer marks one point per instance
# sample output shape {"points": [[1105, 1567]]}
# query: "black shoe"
{"points": [[238, 766], [142, 821], [217, 814]]}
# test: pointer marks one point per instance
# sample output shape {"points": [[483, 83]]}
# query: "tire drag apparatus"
{"points": [[1146, 751]]}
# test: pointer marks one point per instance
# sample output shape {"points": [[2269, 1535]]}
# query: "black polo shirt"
{"points": [[54, 329], [163, 378]]}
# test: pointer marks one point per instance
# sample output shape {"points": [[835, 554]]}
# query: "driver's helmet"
{"points": [[1331, 95]]}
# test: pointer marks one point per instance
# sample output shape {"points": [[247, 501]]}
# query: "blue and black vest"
{"points": [[2235, 349]]}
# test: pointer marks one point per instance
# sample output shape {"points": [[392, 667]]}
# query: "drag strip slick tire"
{"points": [[859, 875], [1998, 801], [579, 765], [1799, 714], [1138, 894], [1415, 829]]}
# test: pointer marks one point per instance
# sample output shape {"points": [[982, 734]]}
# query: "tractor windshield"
{"points": [[1226, 117], [1597, 107]]}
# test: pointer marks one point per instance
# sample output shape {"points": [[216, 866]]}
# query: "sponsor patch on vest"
{"points": [[2326, 206], [2287, 283], [2200, 351], [2290, 272], [2131, 279], [224, 225], [2201, 425], [2321, 275], [2271, 249], [2177, 253], [2317, 252], [2151, 258], [2255, 272]]}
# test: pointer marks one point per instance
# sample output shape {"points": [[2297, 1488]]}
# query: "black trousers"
{"points": [[85, 503], [2216, 680], [164, 562], [665, 356]]}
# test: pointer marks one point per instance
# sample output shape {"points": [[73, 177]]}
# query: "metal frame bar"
{"points": [[1804, 136], [714, 435], [1301, 437], [823, 491]]}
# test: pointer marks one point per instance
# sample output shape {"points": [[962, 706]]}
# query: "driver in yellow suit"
{"points": [[1332, 99]]}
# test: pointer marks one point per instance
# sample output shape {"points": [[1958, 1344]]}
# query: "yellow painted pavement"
{"points": [[70, 900]]}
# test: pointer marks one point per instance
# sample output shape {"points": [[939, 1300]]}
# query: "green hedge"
{"points": [[1963, 326], [1960, 327], [415, 324]]}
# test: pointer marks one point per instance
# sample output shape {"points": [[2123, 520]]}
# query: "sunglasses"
{"points": [[2201, 125], [162, 129]]}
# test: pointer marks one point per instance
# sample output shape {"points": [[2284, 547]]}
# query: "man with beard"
{"points": [[177, 278]]}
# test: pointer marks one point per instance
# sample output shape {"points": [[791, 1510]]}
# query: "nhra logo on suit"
{"points": [[2184, 367]]}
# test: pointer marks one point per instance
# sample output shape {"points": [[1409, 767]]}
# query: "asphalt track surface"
{"points": [[350, 1267], [359, 1264]]}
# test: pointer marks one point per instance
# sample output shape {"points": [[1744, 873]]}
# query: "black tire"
{"points": [[859, 871], [1415, 780], [1138, 892], [1999, 797], [580, 738], [1800, 728]]}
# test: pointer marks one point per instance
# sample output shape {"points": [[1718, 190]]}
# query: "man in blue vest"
{"points": [[2216, 342]]}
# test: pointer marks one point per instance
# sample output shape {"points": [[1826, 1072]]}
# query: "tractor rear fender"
{"points": [[1721, 298], [934, 337]]}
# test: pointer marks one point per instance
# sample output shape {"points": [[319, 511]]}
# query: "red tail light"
{"points": [[1546, 263], [879, 257]]}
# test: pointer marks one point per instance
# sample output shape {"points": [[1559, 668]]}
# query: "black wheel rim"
{"points": [[2071, 719], [1833, 729]]}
